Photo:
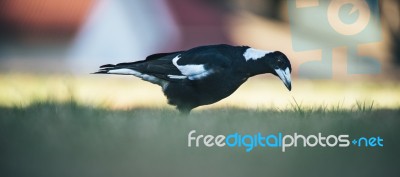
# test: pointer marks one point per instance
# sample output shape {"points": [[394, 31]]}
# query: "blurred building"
{"points": [[78, 36], [35, 34]]}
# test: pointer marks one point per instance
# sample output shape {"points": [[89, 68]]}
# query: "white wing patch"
{"points": [[177, 77], [145, 77], [254, 54], [193, 72]]}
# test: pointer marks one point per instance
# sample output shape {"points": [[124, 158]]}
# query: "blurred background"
{"points": [[47, 49]]}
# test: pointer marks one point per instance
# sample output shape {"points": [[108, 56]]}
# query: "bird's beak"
{"points": [[284, 75]]}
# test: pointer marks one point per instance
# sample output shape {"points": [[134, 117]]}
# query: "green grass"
{"points": [[50, 139]]}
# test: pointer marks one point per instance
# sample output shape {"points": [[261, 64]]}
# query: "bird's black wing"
{"points": [[194, 64], [148, 58], [201, 62], [156, 65]]}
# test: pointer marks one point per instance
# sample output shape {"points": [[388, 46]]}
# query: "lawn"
{"points": [[71, 139], [265, 92]]}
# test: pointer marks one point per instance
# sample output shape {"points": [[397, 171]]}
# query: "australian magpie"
{"points": [[205, 74]]}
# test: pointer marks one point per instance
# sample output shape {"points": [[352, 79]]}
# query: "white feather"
{"points": [[177, 77], [124, 71], [193, 72], [145, 77], [254, 54]]}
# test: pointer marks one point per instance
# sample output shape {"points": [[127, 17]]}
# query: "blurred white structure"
{"points": [[122, 31]]}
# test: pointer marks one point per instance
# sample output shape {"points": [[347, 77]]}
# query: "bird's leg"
{"points": [[184, 110]]}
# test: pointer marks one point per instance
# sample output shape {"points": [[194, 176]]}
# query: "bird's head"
{"points": [[280, 66], [270, 62], [274, 62]]}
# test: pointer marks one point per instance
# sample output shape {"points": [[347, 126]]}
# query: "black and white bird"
{"points": [[205, 74]]}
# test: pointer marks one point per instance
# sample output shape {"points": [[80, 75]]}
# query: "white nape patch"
{"points": [[177, 77], [254, 54], [145, 77], [193, 72]]}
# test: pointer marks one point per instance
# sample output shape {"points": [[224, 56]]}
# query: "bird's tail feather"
{"points": [[104, 69], [108, 68], [129, 69], [113, 69]]}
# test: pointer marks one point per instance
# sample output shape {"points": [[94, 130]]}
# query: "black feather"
{"points": [[107, 65], [225, 68]]}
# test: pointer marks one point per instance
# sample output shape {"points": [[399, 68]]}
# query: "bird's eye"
{"points": [[280, 63]]}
